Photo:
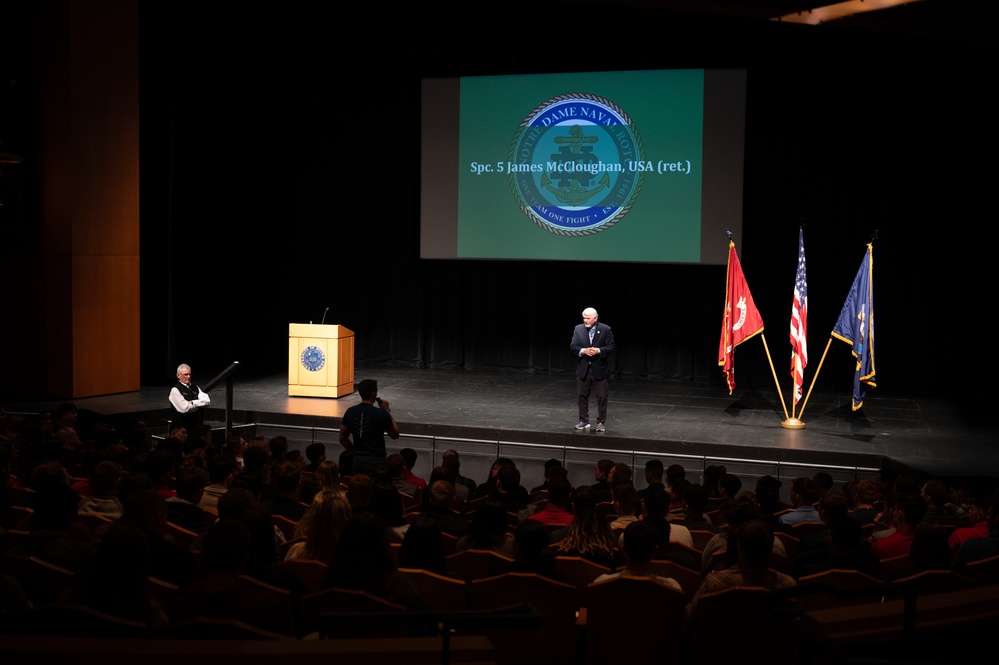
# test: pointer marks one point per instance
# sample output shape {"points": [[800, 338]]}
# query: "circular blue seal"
{"points": [[313, 358], [573, 164]]}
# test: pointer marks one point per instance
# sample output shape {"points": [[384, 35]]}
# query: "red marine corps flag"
{"points": [[741, 319]]}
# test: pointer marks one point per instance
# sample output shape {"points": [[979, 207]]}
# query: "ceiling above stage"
{"points": [[954, 20]]}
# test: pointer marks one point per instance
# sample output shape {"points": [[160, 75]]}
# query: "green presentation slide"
{"points": [[596, 166]]}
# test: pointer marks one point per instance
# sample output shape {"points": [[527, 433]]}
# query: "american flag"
{"points": [[799, 321]]}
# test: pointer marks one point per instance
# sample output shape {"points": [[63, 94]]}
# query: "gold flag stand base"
{"points": [[792, 423]]}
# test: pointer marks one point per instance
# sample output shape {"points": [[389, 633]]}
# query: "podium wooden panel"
{"points": [[320, 360]]}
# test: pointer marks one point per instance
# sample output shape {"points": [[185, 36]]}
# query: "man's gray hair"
{"points": [[182, 367]]}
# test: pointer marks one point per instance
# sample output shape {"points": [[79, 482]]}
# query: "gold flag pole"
{"points": [[815, 376], [774, 372], [793, 422]]}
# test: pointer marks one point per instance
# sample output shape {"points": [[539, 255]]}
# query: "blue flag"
{"points": [[855, 326]]}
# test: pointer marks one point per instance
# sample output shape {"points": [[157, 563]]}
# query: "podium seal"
{"points": [[313, 358]]}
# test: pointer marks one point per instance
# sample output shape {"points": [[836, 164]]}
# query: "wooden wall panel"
{"points": [[105, 324], [90, 196]]}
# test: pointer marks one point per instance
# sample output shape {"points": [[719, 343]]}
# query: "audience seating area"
{"points": [[484, 605]]}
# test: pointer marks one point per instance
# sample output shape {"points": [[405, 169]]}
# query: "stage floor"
{"points": [[925, 435]]}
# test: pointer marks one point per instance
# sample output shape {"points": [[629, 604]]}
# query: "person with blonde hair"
{"points": [[328, 474], [321, 526]]}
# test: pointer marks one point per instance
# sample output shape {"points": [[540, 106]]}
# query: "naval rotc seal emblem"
{"points": [[570, 164], [313, 358]]}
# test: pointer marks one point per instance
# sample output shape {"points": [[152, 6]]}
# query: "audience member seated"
{"points": [[321, 526], [221, 470], [553, 468], [488, 530], [769, 506], [832, 506], [359, 488], [508, 489], [118, 583], [803, 498], [395, 466], [845, 549], [937, 496], [928, 551], [161, 464], [977, 525], [487, 486], [452, 464], [861, 494], [589, 536], [386, 502], [423, 547], [620, 473], [364, 561], [195, 452], [183, 509], [203, 433], [695, 503], [729, 486], [286, 481], [46, 475], [70, 452], [263, 563], [601, 474], [753, 543], [346, 463], [278, 447], [315, 453], [639, 548], [674, 472], [654, 513], [440, 498], [256, 472], [823, 483], [236, 446], [328, 475], [103, 499], [977, 549], [225, 555], [909, 511], [712, 474], [50, 527], [145, 510], [308, 489], [653, 477], [296, 458], [409, 458], [556, 511], [735, 511], [676, 513], [625, 506], [532, 553], [884, 521]]}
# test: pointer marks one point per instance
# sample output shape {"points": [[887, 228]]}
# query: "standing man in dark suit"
{"points": [[592, 342]]}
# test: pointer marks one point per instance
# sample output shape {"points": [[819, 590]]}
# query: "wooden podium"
{"points": [[320, 360]]}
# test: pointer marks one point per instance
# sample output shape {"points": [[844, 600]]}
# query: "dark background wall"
{"points": [[280, 176]]}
